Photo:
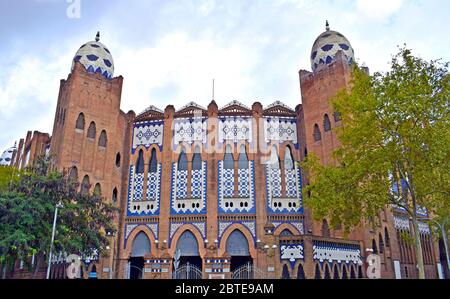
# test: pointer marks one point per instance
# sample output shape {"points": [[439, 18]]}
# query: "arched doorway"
{"points": [[187, 260], [141, 246], [237, 248]]}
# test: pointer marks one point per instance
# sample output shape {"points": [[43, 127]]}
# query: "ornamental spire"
{"points": [[327, 26], [97, 37]]}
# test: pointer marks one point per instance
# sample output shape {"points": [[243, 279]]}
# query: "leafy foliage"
{"points": [[395, 145], [26, 216]]}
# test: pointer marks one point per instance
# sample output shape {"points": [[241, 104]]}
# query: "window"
{"points": [[274, 158], [118, 160], [327, 272], [197, 159], [387, 239], [326, 123], [102, 140], [286, 233], [317, 135], [228, 161], [325, 228], [374, 246], [288, 160], [380, 243], [85, 185], [285, 274], [153, 165], [337, 117], [182, 161], [91, 131], [300, 272], [80, 122], [140, 162], [317, 272], [242, 159], [73, 174], [97, 189], [114, 195], [335, 272]]}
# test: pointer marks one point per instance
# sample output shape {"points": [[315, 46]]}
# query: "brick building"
{"points": [[216, 191]]}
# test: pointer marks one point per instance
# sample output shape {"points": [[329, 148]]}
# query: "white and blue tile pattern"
{"points": [[244, 202]]}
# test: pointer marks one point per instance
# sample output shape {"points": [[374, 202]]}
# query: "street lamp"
{"points": [[444, 235], [58, 206]]}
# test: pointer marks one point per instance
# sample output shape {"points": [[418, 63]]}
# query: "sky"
{"points": [[169, 51]]}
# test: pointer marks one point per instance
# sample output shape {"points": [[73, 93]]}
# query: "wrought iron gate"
{"points": [[248, 271], [187, 271]]}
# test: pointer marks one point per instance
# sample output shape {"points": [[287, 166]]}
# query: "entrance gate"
{"points": [[248, 271], [187, 271]]}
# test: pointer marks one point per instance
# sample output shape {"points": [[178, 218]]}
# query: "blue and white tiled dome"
{"points": [[5, 158], [326, 47], [96, 58]]}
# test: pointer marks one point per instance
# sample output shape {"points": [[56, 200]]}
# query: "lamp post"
{"points": [[441, 226], [58, 205]]}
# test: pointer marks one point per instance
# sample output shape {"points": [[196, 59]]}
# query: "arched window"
{"points": [[140, 162], [335, 272], [286, 233], [197, 159], [360, 272], [337, 117], [141, 245], [242, 159], [325, 228], [300, 272], [288, 160], [317, 274], [114, 195], [387, 239], [352, 272], [73, 174], [374, 246], [103, 139], [187, 244], [237, 244], [344, 272], [317, 135], [182, 161], [228, 161], [326, 123], [80, 122], [380, 243], [98, 189], [285, 274], [85, 185], [91, 130], [118, 160], [326, 274], [274, 161], [153, 165]]}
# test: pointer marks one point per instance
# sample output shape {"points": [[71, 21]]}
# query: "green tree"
{"points": [[26, 217], [395, 147], [8, 175]]}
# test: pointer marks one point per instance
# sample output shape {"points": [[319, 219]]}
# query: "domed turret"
{"points": [[5, 158], [326, 47], [95, 57]]}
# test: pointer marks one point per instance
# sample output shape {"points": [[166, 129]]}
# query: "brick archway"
{"points": [[194, 230], [132, 236], [244, 230], [287, 226]]}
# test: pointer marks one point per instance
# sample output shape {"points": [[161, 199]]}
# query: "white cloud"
{"points": [[379, 9], [187, 66]]}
